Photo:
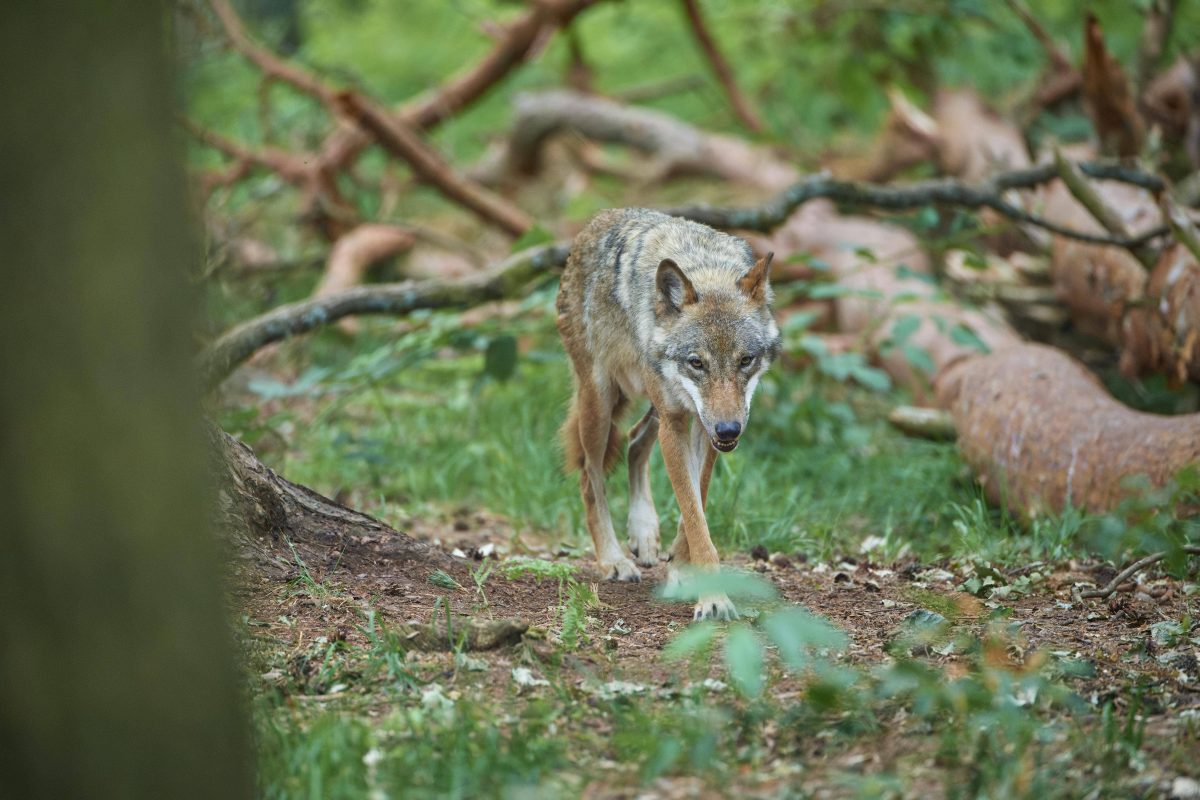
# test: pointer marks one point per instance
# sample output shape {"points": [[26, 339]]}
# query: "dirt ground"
{"points": [[631, 625]]}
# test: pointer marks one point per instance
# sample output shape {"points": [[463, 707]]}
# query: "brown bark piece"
{"points": [[256, 502], [1109, 97], [1040, 431]]}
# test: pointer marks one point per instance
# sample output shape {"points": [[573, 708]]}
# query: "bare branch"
{"points": [[952, 193], [270, 64], [507, 279], [289, 166], [1056, 55], [1182, 227], [400, 139], [1086, 194], [741, 106], [1125, 574]]}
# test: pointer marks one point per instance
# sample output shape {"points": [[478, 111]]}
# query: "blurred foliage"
{"points": [[818, 67]]}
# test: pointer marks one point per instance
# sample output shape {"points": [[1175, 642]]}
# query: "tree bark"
{"points": [[117, 671], [1041, 432], [258, 503]]}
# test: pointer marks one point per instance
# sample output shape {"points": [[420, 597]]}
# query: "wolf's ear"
{"points": [[754, 283], [674, 289]]}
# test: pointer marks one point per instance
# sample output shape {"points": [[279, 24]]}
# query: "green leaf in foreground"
{"points": [[500, 358], [734, 583], [744, 658], [694, 641], [797, 632]]}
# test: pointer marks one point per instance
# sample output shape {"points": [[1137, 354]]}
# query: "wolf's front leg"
{"points": [[689, 468]]}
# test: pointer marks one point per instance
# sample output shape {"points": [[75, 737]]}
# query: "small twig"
{"points": [[720, 67], [1086, 194], [644, 92], [270, 64], [1181, 225], [1055, 53], [1128, 572]]}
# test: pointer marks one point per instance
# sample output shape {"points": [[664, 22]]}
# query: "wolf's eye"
{"points": [[695, 363], [747, 361]]}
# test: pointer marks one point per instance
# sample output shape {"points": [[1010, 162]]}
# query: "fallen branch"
{"points": [[945, 192], [721, 68], [1125, 574], [1181, 226], [507, 279], [673, 146], [270, 64], [1086, 194], [401, 140], [339, 151]]}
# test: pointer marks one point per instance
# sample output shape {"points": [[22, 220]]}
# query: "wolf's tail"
{"points": [[573, 442]]}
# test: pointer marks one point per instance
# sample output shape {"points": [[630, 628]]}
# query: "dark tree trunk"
{"points": [[117, 669]]}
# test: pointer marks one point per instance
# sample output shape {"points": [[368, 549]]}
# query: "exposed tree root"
{"points": [[256, 502]]}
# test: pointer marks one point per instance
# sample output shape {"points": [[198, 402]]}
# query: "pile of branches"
{"points": [[1104, 244]]}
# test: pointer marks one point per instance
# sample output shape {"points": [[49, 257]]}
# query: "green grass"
{"points": [[817, 471]]}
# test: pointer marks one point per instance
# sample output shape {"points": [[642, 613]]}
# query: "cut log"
{"points": [[1042, 433]]}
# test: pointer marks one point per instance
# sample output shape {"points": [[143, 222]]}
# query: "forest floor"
{"points": [[331, 627]]}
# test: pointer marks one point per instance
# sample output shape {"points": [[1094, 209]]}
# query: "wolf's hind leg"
{"points": [[643, 517], [594, 406]]}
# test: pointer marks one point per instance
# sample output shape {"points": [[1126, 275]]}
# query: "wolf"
{"points": [[658, 307]]}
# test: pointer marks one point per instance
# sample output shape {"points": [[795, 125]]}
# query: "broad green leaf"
{"points": [[531, 238], [500, 358], [919, 358], [961, 334], [693, 640], [744, 658], [905, 327], [796, 632]]}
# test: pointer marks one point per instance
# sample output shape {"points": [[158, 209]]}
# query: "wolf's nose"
{"points": [[728, 431]]}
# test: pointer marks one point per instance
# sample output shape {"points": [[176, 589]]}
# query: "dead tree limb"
{"points": [[1109, 588], [399, 138], [944, 192], [1060, 79], [1083, 191], [339, 151], [673, 146], [720, 67], [267, 62], [506, 279]]}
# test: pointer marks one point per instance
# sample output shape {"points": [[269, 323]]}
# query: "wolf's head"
{"points": [[715, 337]]}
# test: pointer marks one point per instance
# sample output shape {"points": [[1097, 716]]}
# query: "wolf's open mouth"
{"points": [[725, 447]]}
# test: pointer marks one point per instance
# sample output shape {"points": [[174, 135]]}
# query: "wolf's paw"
{"points": [[643, 535], [620, 570], [714, 606], [644, 547]]}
